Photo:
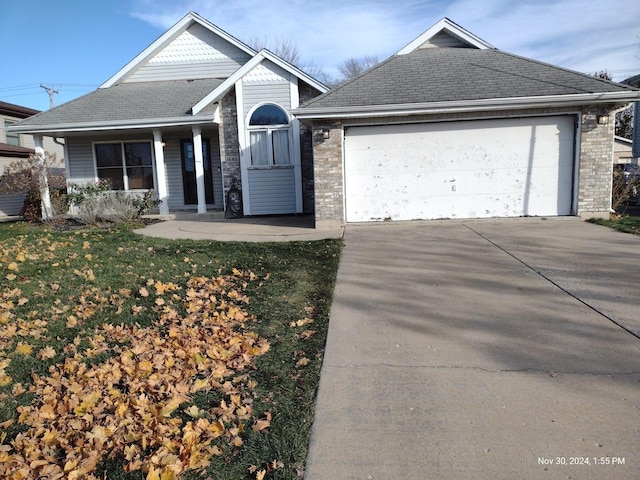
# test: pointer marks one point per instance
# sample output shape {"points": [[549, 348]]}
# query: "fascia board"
{"points": [[116, 125], [262, 55], [182, 25], [465, 106], [450, 27]]}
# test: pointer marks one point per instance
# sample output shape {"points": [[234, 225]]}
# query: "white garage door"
{"points": [[468, 169]]}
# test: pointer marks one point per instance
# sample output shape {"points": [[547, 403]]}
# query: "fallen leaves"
{"points": [[138, 404]]}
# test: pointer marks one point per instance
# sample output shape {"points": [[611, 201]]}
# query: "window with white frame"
{"points": [[269, 133], [13, 138], [125, 165]]}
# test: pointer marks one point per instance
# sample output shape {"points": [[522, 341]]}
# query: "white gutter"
{"points": [[115, 125], [466, 105]]}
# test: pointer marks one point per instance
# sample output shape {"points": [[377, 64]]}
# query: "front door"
{"points": [[189, 172]]}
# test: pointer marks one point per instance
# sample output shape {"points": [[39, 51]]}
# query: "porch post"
{"points": [[197, 153], [43, 181], [161, 172]]}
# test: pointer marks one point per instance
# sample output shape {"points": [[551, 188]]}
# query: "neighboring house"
{"points": [[15, 146], [194, 113], [451, 127], [622, 150]]}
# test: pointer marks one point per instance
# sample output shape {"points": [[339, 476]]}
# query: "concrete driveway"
{"points": [[493, 349]]}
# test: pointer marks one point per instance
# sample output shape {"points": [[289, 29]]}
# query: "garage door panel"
{"points": [[470, 169]]}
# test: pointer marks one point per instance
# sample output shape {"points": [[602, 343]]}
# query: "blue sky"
{"points": [[76, 45]]}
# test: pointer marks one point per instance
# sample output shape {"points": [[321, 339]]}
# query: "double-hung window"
{"points": [[125, 165], [269, 133], [13, 138]]}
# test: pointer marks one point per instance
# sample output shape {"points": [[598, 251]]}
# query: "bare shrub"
{"points": [[625, 188], [34, 177]]}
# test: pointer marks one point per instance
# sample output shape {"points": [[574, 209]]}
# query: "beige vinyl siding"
{"points": [[272, 190], [49, 146]]}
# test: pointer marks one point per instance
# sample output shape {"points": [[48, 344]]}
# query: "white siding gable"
{"points": [[267, 72], [195, 53]]}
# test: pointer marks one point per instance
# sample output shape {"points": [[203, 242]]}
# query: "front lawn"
{"points": [[127, 357]]}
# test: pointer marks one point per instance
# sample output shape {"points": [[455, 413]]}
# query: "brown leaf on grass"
{"points": [[303, 362], [127, 404], [300, 323], [46, 353], [262, 424]]}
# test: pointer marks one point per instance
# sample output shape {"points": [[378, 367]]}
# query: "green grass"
{"points": [[87, 273], [623, 223]]}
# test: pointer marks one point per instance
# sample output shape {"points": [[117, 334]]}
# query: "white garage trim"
{"points": [[506, 167]]}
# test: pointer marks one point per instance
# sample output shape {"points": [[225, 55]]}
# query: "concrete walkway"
{"points": [[251, 229], [494, 349]]}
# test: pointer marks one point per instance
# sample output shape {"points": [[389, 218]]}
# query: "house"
{"points": [[622, 150], [15, 146], [451, 127], [193, 114]]}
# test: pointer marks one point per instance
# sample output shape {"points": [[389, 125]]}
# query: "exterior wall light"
{"points": [[603, 119]]}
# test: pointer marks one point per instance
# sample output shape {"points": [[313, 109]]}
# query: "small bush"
{"points": [[96, 202]]}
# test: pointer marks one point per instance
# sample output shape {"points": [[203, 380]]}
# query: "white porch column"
{"points": [[199, 161], [43, 181], [161, 172]]}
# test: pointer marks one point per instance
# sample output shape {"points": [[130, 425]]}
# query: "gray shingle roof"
{"points": [[129, 102], [458, 74]]}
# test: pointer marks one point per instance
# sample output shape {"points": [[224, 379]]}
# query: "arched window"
{"points": [[269, 133]]}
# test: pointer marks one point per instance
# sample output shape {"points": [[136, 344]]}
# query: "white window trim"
{"points": [[269, 129], [124, 163]]}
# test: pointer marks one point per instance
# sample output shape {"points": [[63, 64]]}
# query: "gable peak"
{"points": [[445, 33]]}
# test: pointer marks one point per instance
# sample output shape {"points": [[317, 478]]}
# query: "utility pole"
{"points": [[51, 93]]}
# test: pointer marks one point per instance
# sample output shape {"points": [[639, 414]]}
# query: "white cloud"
{"points": [[583, 35]]}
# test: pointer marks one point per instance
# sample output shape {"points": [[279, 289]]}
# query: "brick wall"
{"points": [[306, 93], [229, 143], [327, 170], [594, 165]]}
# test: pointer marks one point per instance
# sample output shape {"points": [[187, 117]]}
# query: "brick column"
{"points": [[596, 163], [327, 172]]}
